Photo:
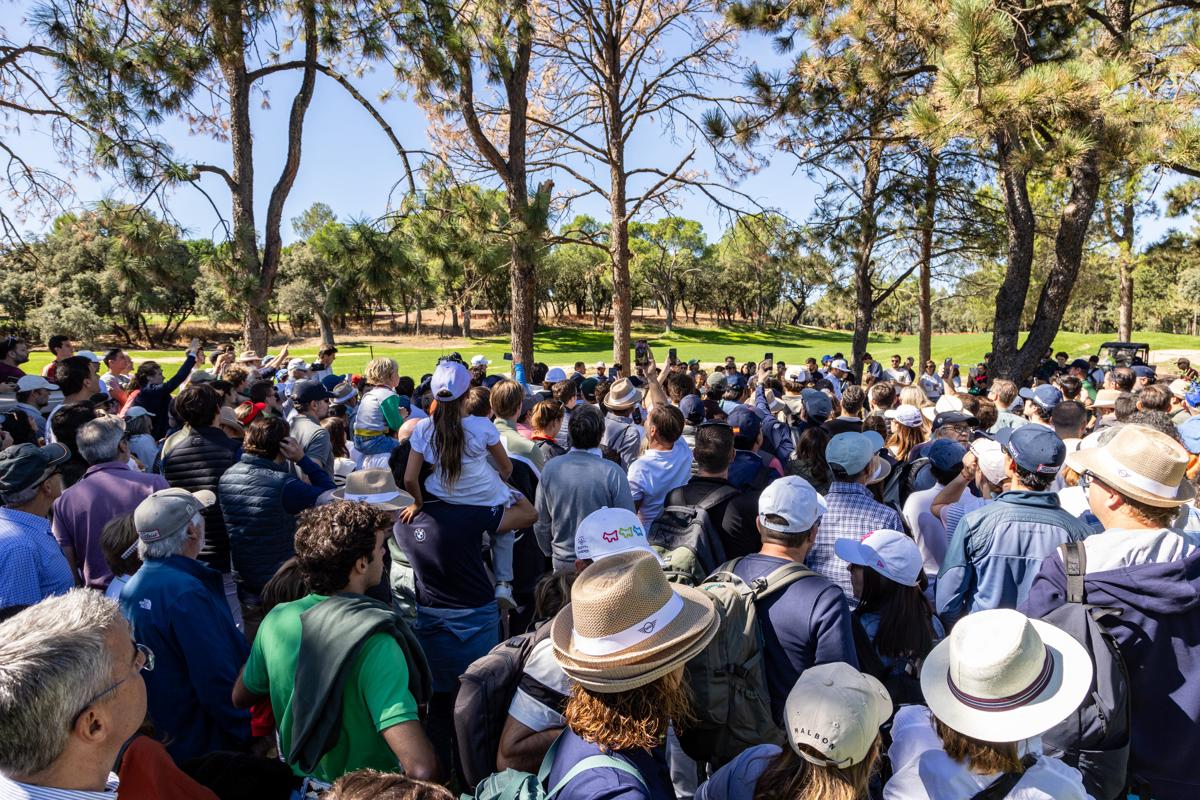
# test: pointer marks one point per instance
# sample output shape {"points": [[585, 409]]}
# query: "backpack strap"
{"points": [[1075, 563], [779, 580], [596, 762], [716, 497], [1000, 787]]}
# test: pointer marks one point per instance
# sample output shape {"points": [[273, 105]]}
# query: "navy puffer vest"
{"points": [[261, 534], [195, 460]]}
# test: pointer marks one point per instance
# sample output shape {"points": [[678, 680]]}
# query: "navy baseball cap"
{"points": [[946, 454], [1045, 397], [1142, 371], [331, 380], [1035, 448], [692, 408], [816, 405], [1080, 363], [745, 423], [309, 391], [953, 417]]}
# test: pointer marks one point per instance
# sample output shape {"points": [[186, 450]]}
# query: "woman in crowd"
{"points": [[628, 677], [993, 687], [118, 543], [809, 460], [908, 428], [832, 714], [142, 444], [546, 419], [901, 629], [338, 431], [379, 414]]}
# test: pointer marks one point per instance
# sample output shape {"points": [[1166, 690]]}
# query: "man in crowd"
{"points": [[194, 458], [666, 464], [323, 366], [1146, 570], [76, 378], [731, 510], [330, 663], [851, 511], [1185, 370], [576, 484], [994, 553], [945, 464], [620, 431], [60, 348], [14, 351], [853, 399], [1003, 392], [872, 367], [71, 696], [177, 608], [749, 469], [507, 399], [808, 622], [260, 498], [897, 373], [108, 489], [115, 381], [33, 395], [310, 400], [32, 567], [1040, 402], [882, 398]]}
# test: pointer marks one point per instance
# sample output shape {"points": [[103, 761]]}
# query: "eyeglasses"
{"points": [[1085, 480], [144, 655]]}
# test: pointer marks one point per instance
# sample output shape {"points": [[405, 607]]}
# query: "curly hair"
{"points": [[636, 718], [331, 538], [370, 784]]}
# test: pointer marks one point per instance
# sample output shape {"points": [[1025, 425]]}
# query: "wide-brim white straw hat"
{"points": [[1002, 677], [627, 626]]}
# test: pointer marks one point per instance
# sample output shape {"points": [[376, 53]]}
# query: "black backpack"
{"points": [[485, 692], [687, 539], [1095, 738]]}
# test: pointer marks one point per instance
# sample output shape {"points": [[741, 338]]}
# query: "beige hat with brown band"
{"points": [[623, 394], [627, 626], [1141, 463]]}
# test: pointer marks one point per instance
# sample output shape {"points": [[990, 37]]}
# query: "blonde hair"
{"points": [[791, 777], [904, 439], [636, 718], [914, 396], [381, 371], [982, 758]]}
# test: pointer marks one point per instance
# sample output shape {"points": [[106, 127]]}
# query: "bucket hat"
{"points": [[622, 394], [627, 626], [1002, 677], [1141, 463]]}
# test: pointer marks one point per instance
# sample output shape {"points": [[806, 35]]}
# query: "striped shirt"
{"points": [[12, 790], [32, 565]]}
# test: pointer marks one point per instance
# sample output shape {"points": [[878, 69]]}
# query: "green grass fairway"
{"points": [[564, 346]]}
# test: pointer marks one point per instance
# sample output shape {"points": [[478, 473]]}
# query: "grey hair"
{"points": [[168, 546], [53, 660], [100, 439], [20, 498]]}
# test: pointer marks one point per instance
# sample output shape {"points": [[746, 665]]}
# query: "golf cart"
{"points": [[1123, 353]]}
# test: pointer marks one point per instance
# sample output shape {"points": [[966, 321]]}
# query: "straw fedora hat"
{"points": [[1002, 677], [626, 626], [1141, 463], [945, 403], [1106, 398], [376, 487], [623, 394]]}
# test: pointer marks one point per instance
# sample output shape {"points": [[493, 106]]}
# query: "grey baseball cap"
{"points": [[26, 465], [168, 511]]}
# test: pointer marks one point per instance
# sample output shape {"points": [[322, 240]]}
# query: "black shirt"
{"points": [[734, 518], [842, 425], [444, 545]]}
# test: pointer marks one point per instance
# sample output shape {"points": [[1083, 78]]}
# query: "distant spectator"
{"points": [[150, 391]]}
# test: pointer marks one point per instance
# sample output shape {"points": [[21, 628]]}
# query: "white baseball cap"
{"points": [[797, 375], [608, 531], [835, 710], [450, 381], [27, 383], [168, 511], [840, 365], [479, 361], [297, 363], [944, 404], [556, 374], [89, 355], [990, 455], [599, 365], [907, 415], [890, 553], [795, 500], [133, 412]]}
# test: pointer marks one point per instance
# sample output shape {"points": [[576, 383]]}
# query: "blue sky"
{"points": [[349, 164]]}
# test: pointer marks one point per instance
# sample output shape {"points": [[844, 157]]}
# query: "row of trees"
{"points": [[978, 141]]}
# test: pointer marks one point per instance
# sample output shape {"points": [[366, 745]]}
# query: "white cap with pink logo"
{"points": [[608, 531], [892, 554]]}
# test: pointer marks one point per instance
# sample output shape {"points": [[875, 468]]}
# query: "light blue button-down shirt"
{"points": [[32, 565]]}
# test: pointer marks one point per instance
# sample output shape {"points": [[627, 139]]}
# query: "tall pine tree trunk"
{"points": [[864, 290], [925, 303], [1126, 264]]}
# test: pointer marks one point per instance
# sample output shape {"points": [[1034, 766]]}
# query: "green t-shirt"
{"points": [[376, 696]]}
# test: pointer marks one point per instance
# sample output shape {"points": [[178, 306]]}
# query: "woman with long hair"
{"points": [[993, 686], [809, 460], [627, 677], [832, 717], [339, 430], [898, 620], [909, 429]]}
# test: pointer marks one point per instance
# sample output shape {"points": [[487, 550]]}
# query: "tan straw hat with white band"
{"points": [[627, 626], [1002, 677], [1141, 463]]}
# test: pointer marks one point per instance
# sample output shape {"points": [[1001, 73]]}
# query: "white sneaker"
{"points": [[504, 597]]}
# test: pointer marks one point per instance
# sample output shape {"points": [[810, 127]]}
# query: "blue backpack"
{"points": [[512, 784]]}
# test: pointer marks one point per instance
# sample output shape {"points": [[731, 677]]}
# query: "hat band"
{"points": [[635, 634], [1011, 701], [373, 497], [1144, 483]]}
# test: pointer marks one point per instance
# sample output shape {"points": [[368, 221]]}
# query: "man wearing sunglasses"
{"points": [[71, 695]]}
